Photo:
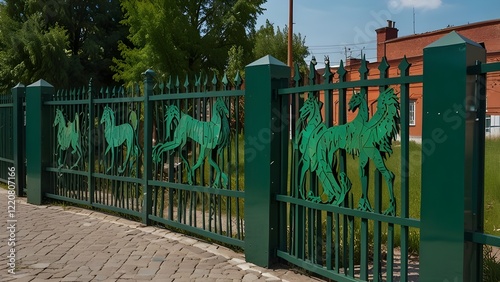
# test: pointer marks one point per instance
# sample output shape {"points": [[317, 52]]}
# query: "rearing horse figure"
{"points": [[116, 136], [209, 134], [68, 134]]}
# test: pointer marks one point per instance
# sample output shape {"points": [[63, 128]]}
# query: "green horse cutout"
{"points": [[116, 135], [208, 134], [362, 137], [68, 135]]}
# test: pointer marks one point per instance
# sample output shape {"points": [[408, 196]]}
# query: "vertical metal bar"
{"points": [[347, 223], [329, 219], [351, 243], [477, 223], [377, 228], [363, 75], [338, 245], [404, 68], [147, 150], [390, 252], [17, 123], [237, 162], [283, 123]]}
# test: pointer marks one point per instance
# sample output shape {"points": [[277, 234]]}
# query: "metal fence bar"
{"points": [[404, 68], [19, 137]]}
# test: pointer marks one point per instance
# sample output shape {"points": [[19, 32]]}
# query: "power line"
{"points": [[345, 44]]}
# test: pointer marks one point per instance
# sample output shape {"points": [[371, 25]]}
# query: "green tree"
{"points": [[29, 52], [274, 41], [65, 42], [236, 62], [179, 36]]}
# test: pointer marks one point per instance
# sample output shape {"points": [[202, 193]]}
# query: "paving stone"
{"points": [[74, 244], [40, 265], [250, 277]]}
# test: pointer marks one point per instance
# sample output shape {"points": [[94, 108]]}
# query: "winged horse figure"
{"points": [[208, 134], [362, 137]]}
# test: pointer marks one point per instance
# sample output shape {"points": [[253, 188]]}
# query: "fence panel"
{"points": [[99, 152], [13, 140], [198, 157], [346, 218], [7, 135]]}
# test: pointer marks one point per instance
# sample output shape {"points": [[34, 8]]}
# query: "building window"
{"points": [[412, 112], [488, 124]]}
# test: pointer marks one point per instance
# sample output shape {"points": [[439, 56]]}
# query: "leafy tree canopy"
{"points": [[184, 36], [65, 42], [274, 41]]}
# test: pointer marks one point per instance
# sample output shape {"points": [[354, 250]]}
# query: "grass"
{"points": [[492, 187], [491, 265], [491, 196]]}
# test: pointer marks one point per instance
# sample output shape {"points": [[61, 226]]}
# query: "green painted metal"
{"points": [[68, 135], [208, 134], [449, 118], [19, 137], [116, 135], [344, 235], [362, 137], [7, 124], [298, 201], [37, 154], [263, 137], [404, 68], [149, 76]]}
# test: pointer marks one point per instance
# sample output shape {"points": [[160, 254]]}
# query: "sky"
{"points": [[347, 28]]}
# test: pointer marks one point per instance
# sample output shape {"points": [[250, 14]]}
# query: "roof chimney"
{"points": [[384, 34]]}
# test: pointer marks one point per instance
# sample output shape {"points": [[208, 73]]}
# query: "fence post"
{"points": [[147, 150], [263, 131], [18, 93], [449, 120], [38, 151]]}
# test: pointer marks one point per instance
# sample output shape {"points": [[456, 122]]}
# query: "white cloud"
{"points": [[417, 4]]}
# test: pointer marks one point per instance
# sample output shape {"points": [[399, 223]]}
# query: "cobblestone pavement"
{"points": [[55, 243]]}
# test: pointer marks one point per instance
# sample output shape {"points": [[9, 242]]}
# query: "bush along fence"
{"points": [[300, 182]]}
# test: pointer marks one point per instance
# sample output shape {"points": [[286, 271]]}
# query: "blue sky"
{"points": [[331, 26]]}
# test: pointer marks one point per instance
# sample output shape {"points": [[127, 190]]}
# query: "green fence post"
{"points": [[147, 150], [18, 93], [449, 121], [263, 129], [38, 152]]}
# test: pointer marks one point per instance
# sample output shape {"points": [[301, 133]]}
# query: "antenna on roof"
{"points": [[414, 20]]}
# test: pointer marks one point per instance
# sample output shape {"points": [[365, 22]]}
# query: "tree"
{"points": [[65, 42], [29, 52], [274, 42], [184, 36]]}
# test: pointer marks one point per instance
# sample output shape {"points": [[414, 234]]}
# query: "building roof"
{"points": [[446, 30]]}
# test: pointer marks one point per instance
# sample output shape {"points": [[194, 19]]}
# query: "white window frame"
{"points": [[412, 112]]}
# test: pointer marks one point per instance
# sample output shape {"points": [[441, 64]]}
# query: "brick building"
{"points": [[395, 48]]}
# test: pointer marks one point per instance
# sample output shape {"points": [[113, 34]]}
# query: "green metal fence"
{"points": [[334, 232], [13, 141], [197, 179], [6, 131], [161, 151], [291, 185]]}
